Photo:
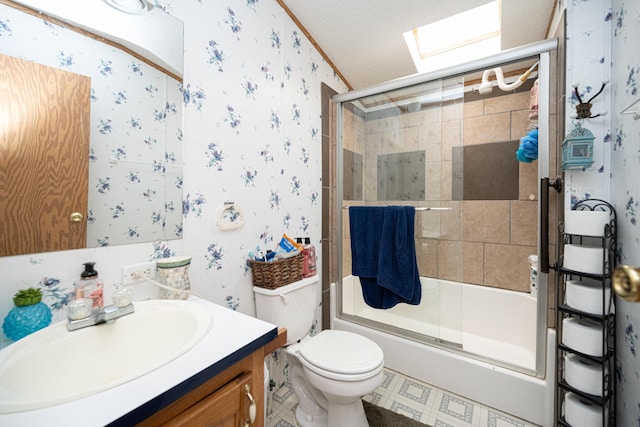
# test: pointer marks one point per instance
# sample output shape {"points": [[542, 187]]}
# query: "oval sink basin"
{"points": [[53, 365]]}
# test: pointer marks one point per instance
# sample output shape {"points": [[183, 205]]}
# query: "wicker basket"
{"points": [[273, 274]]}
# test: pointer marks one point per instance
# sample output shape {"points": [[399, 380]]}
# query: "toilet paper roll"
{"points": [[583, 374], [583, 335], [586, 295], [579, 412], [586, 223], [585, 259]]}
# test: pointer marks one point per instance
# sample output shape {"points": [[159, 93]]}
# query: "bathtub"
{"points": [[483, 343]]}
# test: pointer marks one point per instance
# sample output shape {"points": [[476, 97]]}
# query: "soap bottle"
{"points": [[91, 285], [305, 257], [310, 259]]}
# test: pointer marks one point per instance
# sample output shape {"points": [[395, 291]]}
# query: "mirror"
{"points": [[135, 124]]}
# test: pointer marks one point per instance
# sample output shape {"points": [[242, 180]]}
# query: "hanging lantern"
{"points": [[577, 148]]}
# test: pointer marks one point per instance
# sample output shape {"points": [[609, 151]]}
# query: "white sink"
{"points": [[53, 365]]}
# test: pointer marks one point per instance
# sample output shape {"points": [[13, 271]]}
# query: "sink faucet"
{"points": [[106, 314]]}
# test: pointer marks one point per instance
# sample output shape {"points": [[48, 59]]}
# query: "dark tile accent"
{"points": [[326, 160], [352, 175], [488, 171], [401, 176], [328, 217]]}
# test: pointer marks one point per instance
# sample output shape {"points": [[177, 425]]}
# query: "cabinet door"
{"points": [[227, 407]]}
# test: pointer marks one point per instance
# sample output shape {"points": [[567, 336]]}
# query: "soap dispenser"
{"points": [[310, 259], [90, 285]]}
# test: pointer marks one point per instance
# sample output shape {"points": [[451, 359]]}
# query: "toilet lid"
{"points": [[342, 352]]}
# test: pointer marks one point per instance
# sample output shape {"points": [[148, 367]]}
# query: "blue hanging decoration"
{"points": [[577, 148]]}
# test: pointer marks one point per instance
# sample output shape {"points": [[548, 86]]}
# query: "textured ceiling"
{"points": [[363, 38]]}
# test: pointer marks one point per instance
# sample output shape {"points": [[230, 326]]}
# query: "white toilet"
{"points": [[330, 371]]}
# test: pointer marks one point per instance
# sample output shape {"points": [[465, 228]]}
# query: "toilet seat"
{"points": [[341, 355]]}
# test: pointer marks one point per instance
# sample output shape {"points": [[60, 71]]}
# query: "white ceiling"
{"points": [[363, 38]]}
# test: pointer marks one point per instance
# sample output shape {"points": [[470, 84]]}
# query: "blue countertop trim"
{"points": [[165, 399]]}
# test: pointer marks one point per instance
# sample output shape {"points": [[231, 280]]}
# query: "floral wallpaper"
{"points": [[625, 174], [601, 46], [250, 135], [135, 173]]}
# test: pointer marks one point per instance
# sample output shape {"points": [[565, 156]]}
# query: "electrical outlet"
{"points": [[138, 272]]}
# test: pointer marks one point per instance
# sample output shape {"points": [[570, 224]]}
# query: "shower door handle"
{"points": [[545, 183]]}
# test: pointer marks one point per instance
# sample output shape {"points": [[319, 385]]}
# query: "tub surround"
{"points": [[513, 392], [232, 338]]}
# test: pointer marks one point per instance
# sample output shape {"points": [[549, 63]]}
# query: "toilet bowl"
{"points": [[330, 371]]}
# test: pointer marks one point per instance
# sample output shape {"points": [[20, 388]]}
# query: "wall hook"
{"points": [[632, 109], [583, 109]]}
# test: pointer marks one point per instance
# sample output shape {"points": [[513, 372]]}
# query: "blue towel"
{"points": [[365, 223], [383, 254]]}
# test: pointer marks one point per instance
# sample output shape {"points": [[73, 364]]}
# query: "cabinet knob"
{"points": [[76, 217], [626, 282], [252, 406]]}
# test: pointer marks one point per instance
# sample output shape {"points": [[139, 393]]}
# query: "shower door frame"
{"points": [[541, 49]]}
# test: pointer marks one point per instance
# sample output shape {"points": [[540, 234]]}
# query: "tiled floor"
{"points": [[412, 398]]}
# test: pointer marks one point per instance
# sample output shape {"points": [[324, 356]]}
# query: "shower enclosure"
{"points": [[435, 142]]}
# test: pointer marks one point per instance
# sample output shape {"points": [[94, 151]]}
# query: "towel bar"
{"points": [[419, 208]]}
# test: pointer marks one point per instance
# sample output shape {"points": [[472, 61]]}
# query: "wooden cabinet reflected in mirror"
{"points": [[44, 152]]}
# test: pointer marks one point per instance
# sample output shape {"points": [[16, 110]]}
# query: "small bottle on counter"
{"points": [[90, 285], [309, 270]]}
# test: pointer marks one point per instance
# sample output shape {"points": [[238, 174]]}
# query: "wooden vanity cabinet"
{"points": [[222, 401]]}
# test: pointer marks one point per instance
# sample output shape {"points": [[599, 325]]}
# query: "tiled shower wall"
{"points": [[484, 242]]}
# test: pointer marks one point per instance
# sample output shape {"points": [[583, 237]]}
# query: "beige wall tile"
{"points": [[452, 111], [524, 223], [425, 116], [485, 221], [451, 137], [348, 137], [381, 125], [449, 220], [427, 257], [473, 108], [427, 225], [430, 140], [519, 123], [487, 128], [507, 267], [433, 179], [528, 175], [472, 262], [445, 184], [500, 104], [360, 137], [450, 260]]}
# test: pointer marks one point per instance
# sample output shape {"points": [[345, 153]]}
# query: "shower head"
{"points": [[485, 88]]}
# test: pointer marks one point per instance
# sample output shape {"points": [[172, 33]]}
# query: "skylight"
{"points": [[459, 38]]}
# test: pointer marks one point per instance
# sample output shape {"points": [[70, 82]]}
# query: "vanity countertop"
{"points": [[232, 337]]}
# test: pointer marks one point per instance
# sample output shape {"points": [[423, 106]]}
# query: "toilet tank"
{"points": [[292, 306]]}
